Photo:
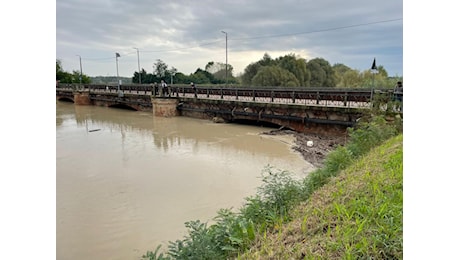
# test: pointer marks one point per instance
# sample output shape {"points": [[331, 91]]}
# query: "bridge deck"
{"points": [[325, 98]]}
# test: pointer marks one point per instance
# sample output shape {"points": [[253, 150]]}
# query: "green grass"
{"points": [[357, 215]]}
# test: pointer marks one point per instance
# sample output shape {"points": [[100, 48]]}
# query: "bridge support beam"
{"points": [[305, 119], [165, 107], [81, 98]]}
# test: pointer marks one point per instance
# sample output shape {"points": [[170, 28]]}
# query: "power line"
{"points": [[257, 37], [186, 48], [314, 31], [282, 35]]}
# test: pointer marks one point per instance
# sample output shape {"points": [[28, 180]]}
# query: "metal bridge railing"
{"points": [[327, 97]]}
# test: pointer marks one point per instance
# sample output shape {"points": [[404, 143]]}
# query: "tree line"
{"points": [[285, 71], [66, 77]]}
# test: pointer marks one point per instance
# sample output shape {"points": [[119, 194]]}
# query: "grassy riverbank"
{"points": [[358, 214], [350, 208]]}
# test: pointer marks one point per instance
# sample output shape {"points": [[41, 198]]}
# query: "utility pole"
{"points": [[118, 80], [226, 59], [138, 65], [81, 72]]}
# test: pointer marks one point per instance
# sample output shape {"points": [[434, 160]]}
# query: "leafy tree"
{"points": [[59, 69], [143, 75], [346, 77], [340, 68], [252, 69], [322, 74], [221, 72], [379, 79], [266, 60], [318, 75], [249, 72], [296, 66], [181, 78], [66, 77], [76, 77], [201, 77], [350, 79], [274, 76], [160, 68], [214, 67]]}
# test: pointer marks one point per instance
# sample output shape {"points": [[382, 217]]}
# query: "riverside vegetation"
{"points": [[351, 208]]}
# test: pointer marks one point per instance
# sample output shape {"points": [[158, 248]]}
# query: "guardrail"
{"points": [[302, 96]]}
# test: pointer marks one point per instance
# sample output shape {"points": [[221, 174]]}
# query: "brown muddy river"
{"points": [[127, 181]]}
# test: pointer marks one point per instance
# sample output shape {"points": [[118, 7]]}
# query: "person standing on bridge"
{"points": [[154, 89], [193, 88], [164, 88], [398, 93]]}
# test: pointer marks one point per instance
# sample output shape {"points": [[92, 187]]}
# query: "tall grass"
{"points": [[362, 139], [357, 215], [269, 209]]}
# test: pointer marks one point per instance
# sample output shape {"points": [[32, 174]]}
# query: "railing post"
{"points": [[345, 99], [253, 95], [293, 96], [221, 93], [236, 93], [207, 92], [317, 97], [272, 94]]}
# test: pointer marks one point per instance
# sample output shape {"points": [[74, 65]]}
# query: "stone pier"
{"points": [[81, 98], [165, 107]]}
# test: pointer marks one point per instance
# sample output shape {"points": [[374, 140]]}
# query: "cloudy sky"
{"points": [[188, 34]]}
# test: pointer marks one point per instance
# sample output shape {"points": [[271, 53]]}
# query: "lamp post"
{"points": [[118, 80], [226, 59], [81, 72], [374, 70], [172, 76], [138, 64]]}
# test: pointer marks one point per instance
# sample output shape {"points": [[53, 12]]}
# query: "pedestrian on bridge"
{"points": [[155, 89], [193, 88], [164, 89]]}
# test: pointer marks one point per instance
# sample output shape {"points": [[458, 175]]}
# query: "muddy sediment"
{"points": [[313, 147]]}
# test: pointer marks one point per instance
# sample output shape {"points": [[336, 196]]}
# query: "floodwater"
{"points": [[127, 181]]}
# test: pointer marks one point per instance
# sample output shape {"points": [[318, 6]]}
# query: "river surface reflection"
{"points": [[127, 181]]}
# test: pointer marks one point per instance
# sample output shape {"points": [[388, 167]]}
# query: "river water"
{"points": [[127, 181]]}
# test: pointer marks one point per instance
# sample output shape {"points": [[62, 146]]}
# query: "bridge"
{"points": [[324, 111]]}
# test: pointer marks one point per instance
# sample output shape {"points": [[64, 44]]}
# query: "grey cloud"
{"points": [[257, 25]]}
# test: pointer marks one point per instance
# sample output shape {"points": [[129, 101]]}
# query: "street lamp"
{"points": [[117, 55], [138, 64], [81, 73], [374, 70], [226, 59]]}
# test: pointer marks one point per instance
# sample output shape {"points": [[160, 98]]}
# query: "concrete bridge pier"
{"points": [[165, 107], [81, 98]]}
